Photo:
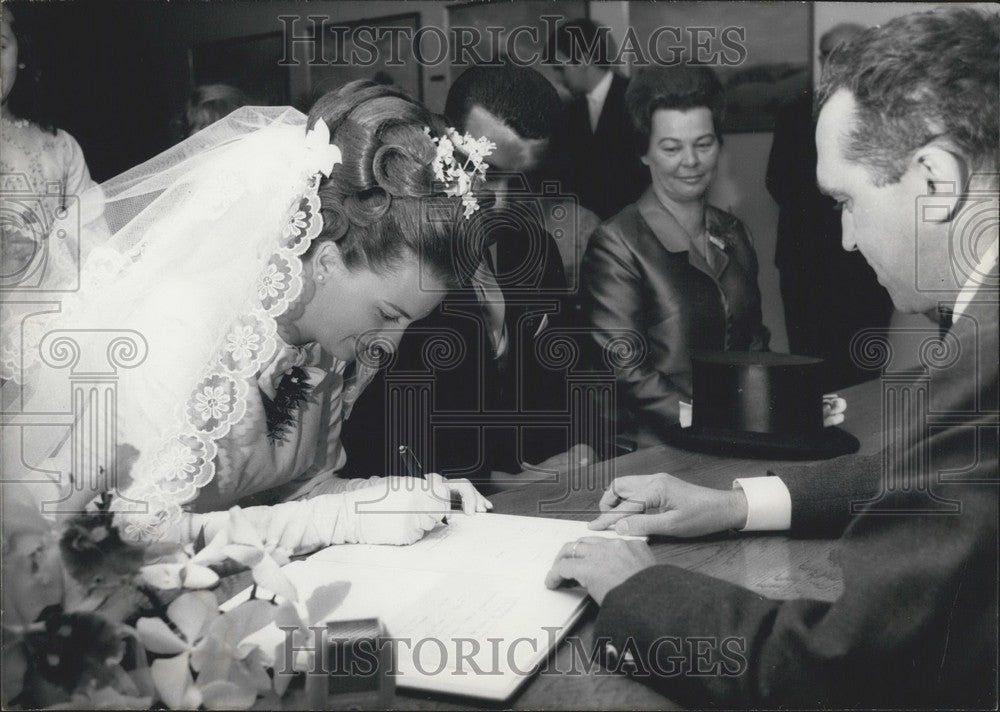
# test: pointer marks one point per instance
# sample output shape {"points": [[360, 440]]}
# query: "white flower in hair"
{"points": [[460, 178], [323, 155]]}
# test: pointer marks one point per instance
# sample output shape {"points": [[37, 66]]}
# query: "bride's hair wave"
{"points": [[378, 204]]}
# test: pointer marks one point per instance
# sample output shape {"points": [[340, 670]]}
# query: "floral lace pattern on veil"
{"points": [[187, 461]]}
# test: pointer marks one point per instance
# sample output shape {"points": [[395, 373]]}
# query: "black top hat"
{"points": [[760, 404]]}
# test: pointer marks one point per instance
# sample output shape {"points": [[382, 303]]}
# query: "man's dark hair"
{"points": [[519, 96], [584, 39], [917, 78]]}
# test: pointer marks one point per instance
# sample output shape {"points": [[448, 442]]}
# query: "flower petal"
{"points": [[211, 660], [225, 695], [157, 637], [269, 575], [246, 619], [192, 612], [162, 576], [255, 664], [197, 576], [244, 554], [174, 684], [213, 551]]}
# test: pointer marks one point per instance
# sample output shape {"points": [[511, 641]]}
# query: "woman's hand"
{"points": [[599, 564], [662, 504], [445, 490], [394, 510]]}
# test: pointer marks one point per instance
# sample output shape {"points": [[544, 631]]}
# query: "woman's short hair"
{"points": [[380, 204], [209, 103], [681, 88]]}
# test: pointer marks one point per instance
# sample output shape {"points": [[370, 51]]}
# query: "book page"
{"points": [[505, 544], [466, 605]]}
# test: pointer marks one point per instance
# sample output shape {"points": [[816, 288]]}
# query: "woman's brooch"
{"points": [[716, 239]]}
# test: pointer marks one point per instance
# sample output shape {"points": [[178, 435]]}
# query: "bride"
{"points": [[254, 271]]}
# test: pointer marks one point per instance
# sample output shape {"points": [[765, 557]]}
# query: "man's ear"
{"points": [[327, 259], [946, 175]]}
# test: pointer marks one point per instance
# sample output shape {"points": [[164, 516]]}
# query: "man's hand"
{"points": [[599, 564], [662, 504]]}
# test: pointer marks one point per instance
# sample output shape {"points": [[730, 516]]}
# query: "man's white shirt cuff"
{"points": [[769, 504]]}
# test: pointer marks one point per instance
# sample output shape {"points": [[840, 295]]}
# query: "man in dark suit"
{"points": [[907, 141], [470, 386], [593, 151], [821, 318]]}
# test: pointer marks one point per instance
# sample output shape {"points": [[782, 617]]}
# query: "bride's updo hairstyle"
{"points": [[378, 204]]}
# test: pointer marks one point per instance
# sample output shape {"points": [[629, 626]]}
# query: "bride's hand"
{"points": [[445, 489]]}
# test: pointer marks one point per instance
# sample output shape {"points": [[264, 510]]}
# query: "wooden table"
{"points": [[773, 565]]}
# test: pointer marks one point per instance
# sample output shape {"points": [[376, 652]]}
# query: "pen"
{"points": [[412, 467]]}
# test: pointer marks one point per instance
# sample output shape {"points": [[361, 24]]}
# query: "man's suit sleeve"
{"points": [[822, 494], [908, 627]]}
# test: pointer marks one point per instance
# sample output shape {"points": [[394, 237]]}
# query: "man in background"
{"points": [[499, 385], [593, 151], [828, 294]]}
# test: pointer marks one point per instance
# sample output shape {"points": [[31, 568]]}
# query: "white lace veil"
{"points": [[157, 302]]}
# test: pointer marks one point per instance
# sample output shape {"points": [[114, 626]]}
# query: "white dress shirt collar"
{"points": [[596, 98], [972, 284]]}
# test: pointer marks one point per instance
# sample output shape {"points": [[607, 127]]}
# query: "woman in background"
{"points": [[41, 166], [209, 103], [670, 271]]}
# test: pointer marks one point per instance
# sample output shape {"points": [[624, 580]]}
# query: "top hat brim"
{"points": [[828, 443]]}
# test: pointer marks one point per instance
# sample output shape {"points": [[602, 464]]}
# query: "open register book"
{"points": [[467, 605]]}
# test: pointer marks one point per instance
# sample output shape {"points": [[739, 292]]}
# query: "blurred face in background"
{"points": [[514, 154], [575, 76], [8, 56], [683, 153], [839, 35]]}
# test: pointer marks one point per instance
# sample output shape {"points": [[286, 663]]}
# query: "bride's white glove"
{"points": [[392, 510]]}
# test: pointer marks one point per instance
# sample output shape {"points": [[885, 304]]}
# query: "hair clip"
{"points": [[460, 179]]}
